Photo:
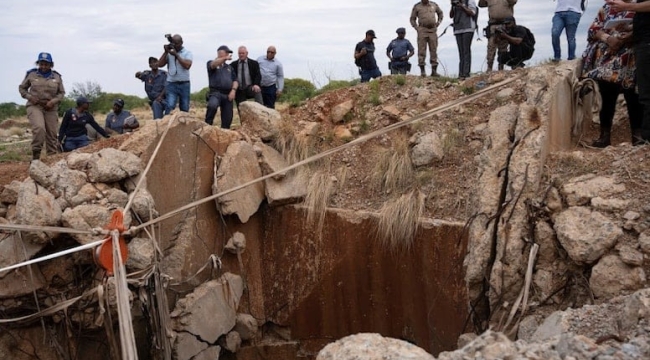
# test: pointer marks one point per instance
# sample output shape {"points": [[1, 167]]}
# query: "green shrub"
{"points": [[337, 84], [297, 90], [199, 97], [11, 109]]}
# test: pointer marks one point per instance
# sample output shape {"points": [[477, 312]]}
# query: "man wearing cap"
{"points": [[425, 18], [119, 120], [498, 10], [223, 84], [272, 83], [43, 89], [399, 51], [155, 81], [463, 13], [73, 133], [178, 61], [519, 50], [249, 77], [364, 57]]}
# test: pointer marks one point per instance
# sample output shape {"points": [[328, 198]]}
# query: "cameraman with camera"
{"points": [[497, 11], [178, 61], [521, 40], [463, 13]]}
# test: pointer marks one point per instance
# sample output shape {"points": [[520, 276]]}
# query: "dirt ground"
{"points": [[448, 184]]}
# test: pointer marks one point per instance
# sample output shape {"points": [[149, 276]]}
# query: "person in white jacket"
{"points": [[567, 17]]}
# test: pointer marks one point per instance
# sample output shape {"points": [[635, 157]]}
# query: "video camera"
{"points": [[171, 42], [501, 28]]}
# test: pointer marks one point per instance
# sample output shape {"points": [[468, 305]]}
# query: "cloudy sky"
{"points": [[107, 42]]}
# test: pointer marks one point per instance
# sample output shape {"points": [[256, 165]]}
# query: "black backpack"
{"points": [[529, 39]]}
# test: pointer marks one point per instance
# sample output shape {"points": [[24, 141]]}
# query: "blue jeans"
{"points": [[564, 20], [215, 101], [75, 142], [159, 108], [366, 75], [269, 95], [180, 91]]}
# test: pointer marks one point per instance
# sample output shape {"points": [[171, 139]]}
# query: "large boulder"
{"points": [[271, 161], [586, 235], [428, 149], [238, 166], [67, 182], [580, 190], [144, 205], [141, 254], [210, 310], [21, 281], [367, 346], [186, 346], [612, 277], [42, 174], [291, 189], [111, 165], [259, 121], [36, 206], [10, 192], [87, 217], [340, 111]]}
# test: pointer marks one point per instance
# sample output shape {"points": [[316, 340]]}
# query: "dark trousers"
{"points": [[516, 56], [609, 93], [464, 42], [642, 53], [216, 100], [244, 94], [269, 95]]}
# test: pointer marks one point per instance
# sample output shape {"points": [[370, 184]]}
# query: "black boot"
{"points": [[36, 154], [422, 72], [434, 71], [637, 137], [604, 140]]}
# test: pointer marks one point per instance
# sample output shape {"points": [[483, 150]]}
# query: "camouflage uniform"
{"points": [[44, 122], [425, 18], [497, 11]]}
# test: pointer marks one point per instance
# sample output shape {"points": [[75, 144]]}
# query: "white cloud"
{"points": [[108, 42]]}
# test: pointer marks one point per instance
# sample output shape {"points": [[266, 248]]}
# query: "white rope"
{"points": [[54, 255], [329, 152], [56, 229], [127, 336]]}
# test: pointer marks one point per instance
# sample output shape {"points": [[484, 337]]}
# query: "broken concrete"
{"points": [[259, 121]]}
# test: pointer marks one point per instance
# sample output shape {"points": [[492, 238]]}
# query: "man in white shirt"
{"points": [[272, 77], [567, 17]]}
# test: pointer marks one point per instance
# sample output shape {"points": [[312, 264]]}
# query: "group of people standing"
{"points": [[43, 88], [261, 80], [515, 44], [243, 79]]}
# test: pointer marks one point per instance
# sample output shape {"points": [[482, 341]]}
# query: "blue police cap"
{"points": [[45, 57]]}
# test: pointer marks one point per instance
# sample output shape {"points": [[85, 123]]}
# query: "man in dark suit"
{"points": [[248, 76]]}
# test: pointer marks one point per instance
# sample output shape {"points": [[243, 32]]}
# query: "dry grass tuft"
{"points": [[452, 139], [399, 221], [293, 148], [394, 170], [15, 130], [319, 191]]}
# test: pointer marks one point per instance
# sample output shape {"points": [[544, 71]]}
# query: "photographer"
{"points": [[521, 43], [497, 11], [463, 13], [399, 51], [178, 61]]}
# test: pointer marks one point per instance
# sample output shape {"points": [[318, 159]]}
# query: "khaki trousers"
{"points": [[495, 42], [426, 37], [44, 128]]}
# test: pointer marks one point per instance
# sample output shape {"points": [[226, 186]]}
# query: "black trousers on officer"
{"points": [[516, 56], [216, 100]]}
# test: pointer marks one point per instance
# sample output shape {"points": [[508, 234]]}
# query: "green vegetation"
{"points": [[400, 80], [199, 97], [467, 90], [296, 91], [374, 97], [11, 109], [15, 152]]}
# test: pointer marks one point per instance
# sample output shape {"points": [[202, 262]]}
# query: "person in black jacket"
{"points": [[249, 77], [72, 133]]}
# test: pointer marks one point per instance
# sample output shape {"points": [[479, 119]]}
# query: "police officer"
{"points": [[399, 51], [223, 84], [154, 85], [43, 89], [425, 18], [498, 10]]}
